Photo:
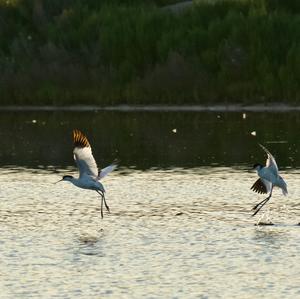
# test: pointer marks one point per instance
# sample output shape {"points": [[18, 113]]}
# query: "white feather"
{"points": [[270, 174], [271, 162], [267, 184], [85, 162]]}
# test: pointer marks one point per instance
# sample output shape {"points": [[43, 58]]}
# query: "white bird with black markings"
{"points": [[268, 179], [89, 176]]}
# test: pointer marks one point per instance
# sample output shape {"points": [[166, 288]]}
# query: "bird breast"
{"points": [[267, 174], [88, 183]]}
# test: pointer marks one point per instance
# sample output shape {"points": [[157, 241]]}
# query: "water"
{"points": [[180, 223], [145, 140]]}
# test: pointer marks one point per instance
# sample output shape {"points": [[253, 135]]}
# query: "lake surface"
{"points": [[144, 140], [180, 224]]}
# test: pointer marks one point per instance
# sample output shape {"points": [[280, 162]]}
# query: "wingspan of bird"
{"points": [[270, 163], [83, 155], [261, 186]]}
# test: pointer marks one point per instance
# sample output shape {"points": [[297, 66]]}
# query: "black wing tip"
{"points": [[257, 191], [80, 139], [259, 187]]}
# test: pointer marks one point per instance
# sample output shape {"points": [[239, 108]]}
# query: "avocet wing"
{"points": [[105, 171], [83, 155], [270, 163], [261, 186]]}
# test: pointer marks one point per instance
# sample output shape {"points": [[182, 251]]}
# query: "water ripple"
{"points": [[179, 233]]}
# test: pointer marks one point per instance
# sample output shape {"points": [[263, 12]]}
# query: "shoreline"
{"points": [[156, 108]]}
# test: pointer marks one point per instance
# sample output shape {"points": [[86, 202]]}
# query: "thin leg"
{"points": [[102, 207], [106, 206], [262, 203], [259, 208], [103, 200]]}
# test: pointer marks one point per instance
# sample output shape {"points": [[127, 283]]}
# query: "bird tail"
{"points": [[105, 171], [284, 191]]}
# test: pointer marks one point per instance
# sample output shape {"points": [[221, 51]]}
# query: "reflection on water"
{"points": [[180, 223], [177, 233], [143, 140]]}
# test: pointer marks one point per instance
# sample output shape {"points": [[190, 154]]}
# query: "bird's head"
{"points": [[67, 178], [257, 166]]}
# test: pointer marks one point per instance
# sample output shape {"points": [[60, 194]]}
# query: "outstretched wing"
{"points": [[83, 155], [105, 171], [261, 186], [283, 186], [270, 163]]}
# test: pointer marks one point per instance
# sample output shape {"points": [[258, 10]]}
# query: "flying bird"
{"points": [[268, 179], [89, 176]]}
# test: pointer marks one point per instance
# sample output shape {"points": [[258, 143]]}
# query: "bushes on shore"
{"points": [[115, 52]]}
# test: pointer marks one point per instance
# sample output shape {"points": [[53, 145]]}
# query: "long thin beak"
{"points": [[58, 181]]}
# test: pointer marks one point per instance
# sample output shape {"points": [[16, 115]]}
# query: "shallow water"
{"points": [[177, 233], [180, 224]]}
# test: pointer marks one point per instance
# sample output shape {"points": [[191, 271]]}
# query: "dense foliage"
{"points": [[133, 51]]}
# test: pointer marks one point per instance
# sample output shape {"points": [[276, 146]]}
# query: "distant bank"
{"points": [[157, 108]]}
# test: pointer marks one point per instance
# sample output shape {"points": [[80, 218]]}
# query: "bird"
{"points": [[268, 179], [89, 175]]}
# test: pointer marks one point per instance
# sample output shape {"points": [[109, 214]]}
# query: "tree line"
{"points": [[134, 52]]}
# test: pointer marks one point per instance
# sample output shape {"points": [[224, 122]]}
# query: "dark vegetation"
{"points": [[133, 52]]}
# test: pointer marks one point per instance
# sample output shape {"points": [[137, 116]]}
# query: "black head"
{"points": [[67, 178], [257, 166]]}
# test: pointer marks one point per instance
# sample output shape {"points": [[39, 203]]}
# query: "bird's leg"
{"points": [[106, 206], [102, 207], [103, 200], [262, 203]]}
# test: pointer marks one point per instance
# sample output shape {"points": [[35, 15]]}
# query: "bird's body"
{"points": [[268, 179], [272, 178], [89, 175], [86, 182]]}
